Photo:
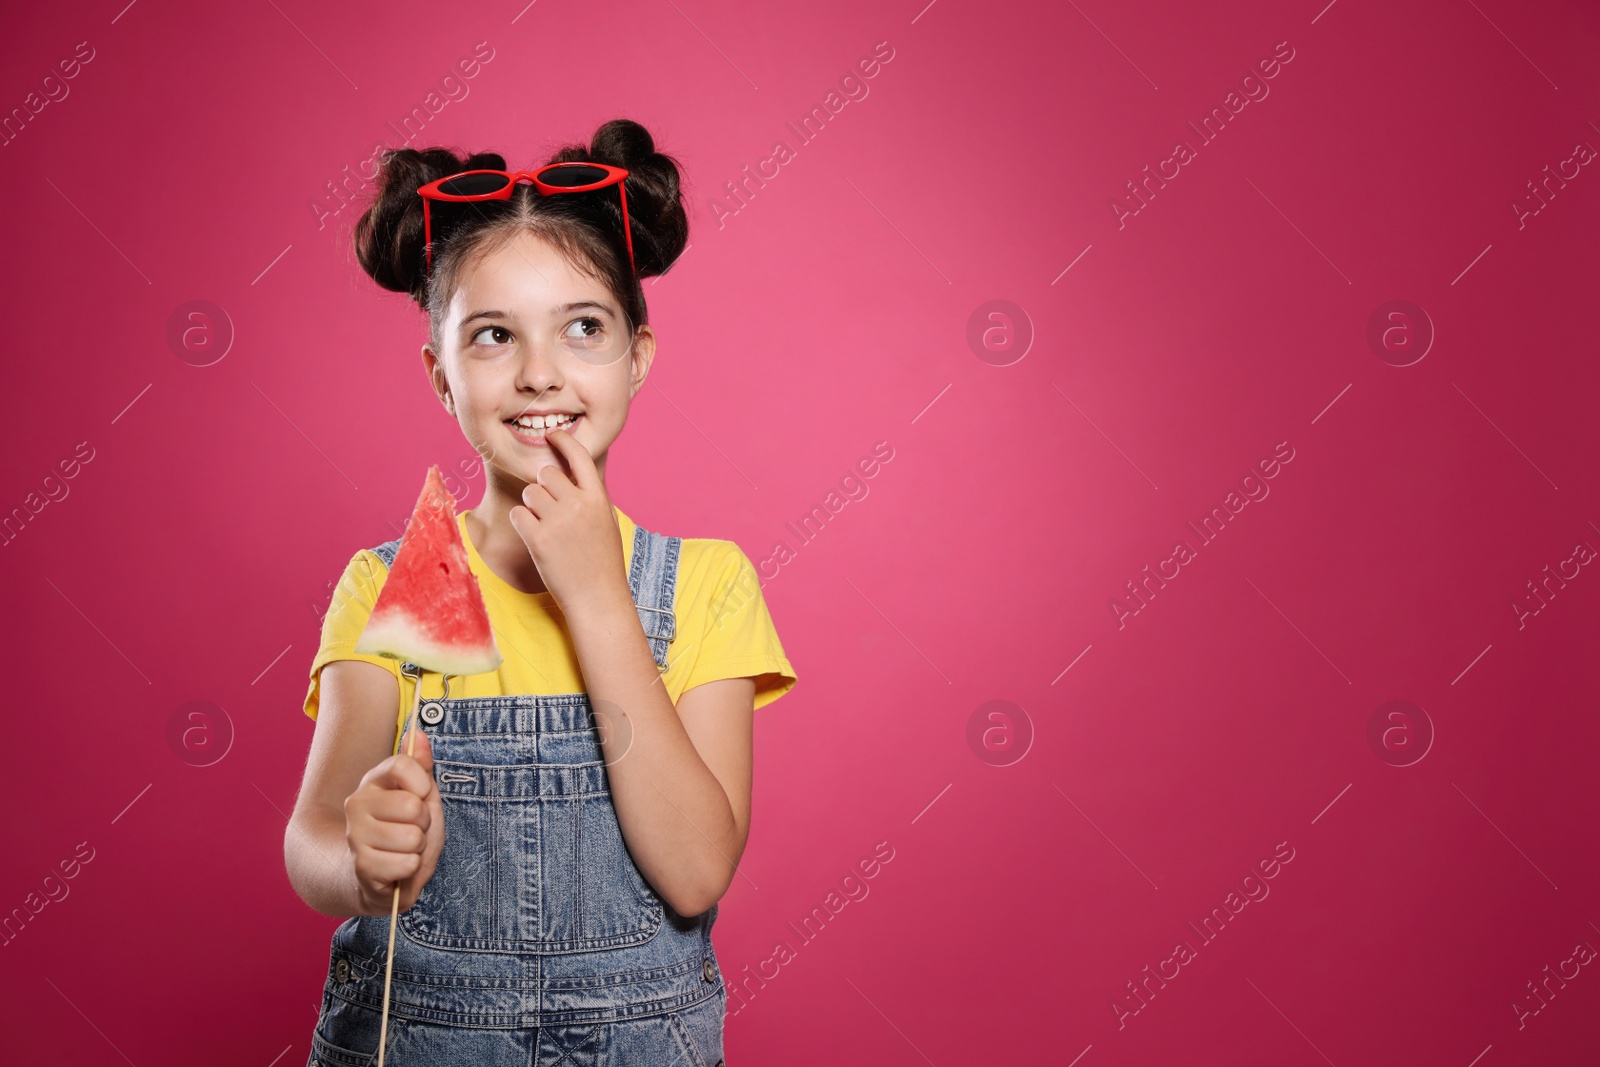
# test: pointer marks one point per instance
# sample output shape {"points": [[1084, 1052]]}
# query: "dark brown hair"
{"points": [[587, 228]]}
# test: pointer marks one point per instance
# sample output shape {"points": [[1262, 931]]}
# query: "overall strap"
{"points": [[652, 580], [387, 551]]}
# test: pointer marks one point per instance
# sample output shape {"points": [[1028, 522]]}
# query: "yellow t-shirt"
{"points": [[723, 629]]}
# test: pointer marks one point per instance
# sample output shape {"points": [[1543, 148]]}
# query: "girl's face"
{"points": [[528, 334]]}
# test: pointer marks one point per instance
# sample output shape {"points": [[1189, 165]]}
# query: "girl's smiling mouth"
{"points": [[531, 429]]}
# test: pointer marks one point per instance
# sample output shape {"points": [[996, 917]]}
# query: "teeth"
{"points": [[542, 422]]}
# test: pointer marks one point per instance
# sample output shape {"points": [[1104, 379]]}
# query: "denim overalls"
{"points": [[537, 941]]}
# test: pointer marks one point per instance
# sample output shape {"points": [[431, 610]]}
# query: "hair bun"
{"points": [[659, 223], [389, 240]]}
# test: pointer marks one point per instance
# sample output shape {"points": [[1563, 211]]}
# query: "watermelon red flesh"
{"points": [[430, 610]]}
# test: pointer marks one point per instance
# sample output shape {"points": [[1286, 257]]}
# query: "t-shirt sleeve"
{"points": [[738, 638], [353, 598]]}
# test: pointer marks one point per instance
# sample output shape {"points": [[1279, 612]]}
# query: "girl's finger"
{"points": [[387, 867], [525, 523], [419, 748], [399, 806], [578, 459], [553, 480], [400, 772], [537, 499], [386, 836]]}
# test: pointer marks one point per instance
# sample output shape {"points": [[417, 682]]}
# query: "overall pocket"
{"points": [[533, 861], [591, 894], [700, 1026], [346, 1035], [327, 1054]]}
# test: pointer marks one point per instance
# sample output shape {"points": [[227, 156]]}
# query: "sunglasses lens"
{"points": [[474, 184], [449, 215], [572, 176]]}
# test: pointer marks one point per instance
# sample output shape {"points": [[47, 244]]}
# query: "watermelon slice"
{"points": [[430, 611]]}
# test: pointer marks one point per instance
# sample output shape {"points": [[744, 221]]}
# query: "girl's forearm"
{"points": [[319, 864], [674, 814]]}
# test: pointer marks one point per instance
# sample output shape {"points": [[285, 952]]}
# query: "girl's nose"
{"points": [[541, 368]]}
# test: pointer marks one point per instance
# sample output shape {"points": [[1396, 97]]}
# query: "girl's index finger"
{"points": [[400, 771], [584, 474]]}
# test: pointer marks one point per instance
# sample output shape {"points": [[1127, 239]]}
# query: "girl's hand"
{"points": [[394, 826], [570, 529]]}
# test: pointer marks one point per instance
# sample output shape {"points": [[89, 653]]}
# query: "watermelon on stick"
{"points": [[430, 610], [430, 613]]}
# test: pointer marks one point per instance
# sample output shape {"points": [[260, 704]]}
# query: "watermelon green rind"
{"points": [[430, 610], [399, 639]]}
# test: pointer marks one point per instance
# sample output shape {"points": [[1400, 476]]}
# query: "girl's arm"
{"points": [[680, 776], [683, 802], [365, 817]]}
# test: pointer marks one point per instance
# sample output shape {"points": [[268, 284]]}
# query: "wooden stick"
{"points": [[394, 910]]}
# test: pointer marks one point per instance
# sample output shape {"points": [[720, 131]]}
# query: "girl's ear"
{"points": [[644, 353], [436, 377]]}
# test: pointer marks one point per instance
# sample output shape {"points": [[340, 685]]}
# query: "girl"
{"points": [[569, 822]]}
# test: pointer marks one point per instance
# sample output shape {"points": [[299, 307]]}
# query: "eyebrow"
{"points": [[562, 310]]}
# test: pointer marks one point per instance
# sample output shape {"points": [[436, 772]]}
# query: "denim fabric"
{"points": [[689, 1037], [537, 940]]}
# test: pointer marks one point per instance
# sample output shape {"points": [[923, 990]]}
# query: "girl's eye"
{"points": [[587, 329], [497, 331]]}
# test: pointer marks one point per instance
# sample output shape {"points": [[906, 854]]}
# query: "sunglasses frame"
{"points": [[614, 176]]}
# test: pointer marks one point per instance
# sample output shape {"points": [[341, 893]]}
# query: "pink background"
{"points": [[190, 557]]}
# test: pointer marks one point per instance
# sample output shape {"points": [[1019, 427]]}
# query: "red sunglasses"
{"points": [[474, 185]]}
